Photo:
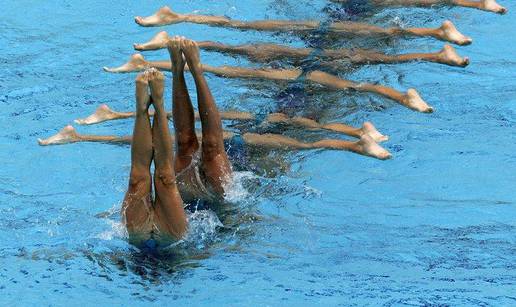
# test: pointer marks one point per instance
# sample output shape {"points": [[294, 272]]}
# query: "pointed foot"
{"points": [[492, 6], [164, 16], [65, 136], [136, 63], [102, 114], [369, 129], [159, 41], [449, 56], [414, 101], [370, 148], [448, 32]]}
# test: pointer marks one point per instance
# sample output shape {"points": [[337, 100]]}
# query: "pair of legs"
{"points": [[104, 113], [367, 145], [484, 5], [163, 217], [214, 164], [165, 16], [269, 52], [411, 99]]}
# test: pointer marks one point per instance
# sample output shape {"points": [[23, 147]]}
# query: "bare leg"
{"points": [[215, 163], [269, 52], [411, 99], [168, 208], [183, 112], [367, 127], [485, 5], [137, 206], [165, 16], [273, 141], [366, 146]]}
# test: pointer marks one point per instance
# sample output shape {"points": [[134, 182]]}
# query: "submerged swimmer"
{"points": [[165, 16], [271, 52]]}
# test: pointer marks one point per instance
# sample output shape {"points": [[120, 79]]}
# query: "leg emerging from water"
{"points": [[411, 99], [182, 110], [485, 5], [269, 52], [215, 163], [366, 146], [165, 16], [68, 134], [169, 213], [137, 205]]}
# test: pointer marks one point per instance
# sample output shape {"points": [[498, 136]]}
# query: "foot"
{"points": [[136, 63], [176, 56], [65, 136], [143, 100], [449, 56], [159, 41], [102, 114], [164, 16], [370, 148], [369, 129], [492, 6], [415, 102], [191, 52], [156, 85], [448, 32]]}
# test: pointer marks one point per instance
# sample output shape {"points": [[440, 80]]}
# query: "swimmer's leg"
{"points": [[269, 52], [215, 163], [182, 110], [446, 32], [137, 205], [68, 135], [367, 128], [168, 208], [448, 56], [365, 146], [485, 5], [411, 99], [138, 63]]}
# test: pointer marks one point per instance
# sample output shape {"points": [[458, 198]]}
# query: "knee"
{"points": [[165, 177], [138, 180], [211, 148]]}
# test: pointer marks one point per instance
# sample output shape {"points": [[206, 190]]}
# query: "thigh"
{"points": [[137, 207], [217, 171]]}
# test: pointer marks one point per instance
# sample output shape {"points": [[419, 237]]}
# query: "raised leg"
{"points": [[182, 110], [215, 163], [274, 141], [485, 5], [166, 16], [365, 146], [137, 205], [269, 52], [169, 213]]}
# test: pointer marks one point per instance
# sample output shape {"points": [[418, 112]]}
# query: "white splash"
{"points": [[235, 190]]}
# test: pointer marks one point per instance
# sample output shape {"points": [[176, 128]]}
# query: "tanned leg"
{"points": [[215, 163], [168, 208], [365, 146], [137, 206], [182, 110]]}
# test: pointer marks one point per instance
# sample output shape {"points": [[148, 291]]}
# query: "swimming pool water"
{"points": [[434, 226]]}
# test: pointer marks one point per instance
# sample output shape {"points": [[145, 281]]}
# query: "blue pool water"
{"points": [[435, 225]]}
